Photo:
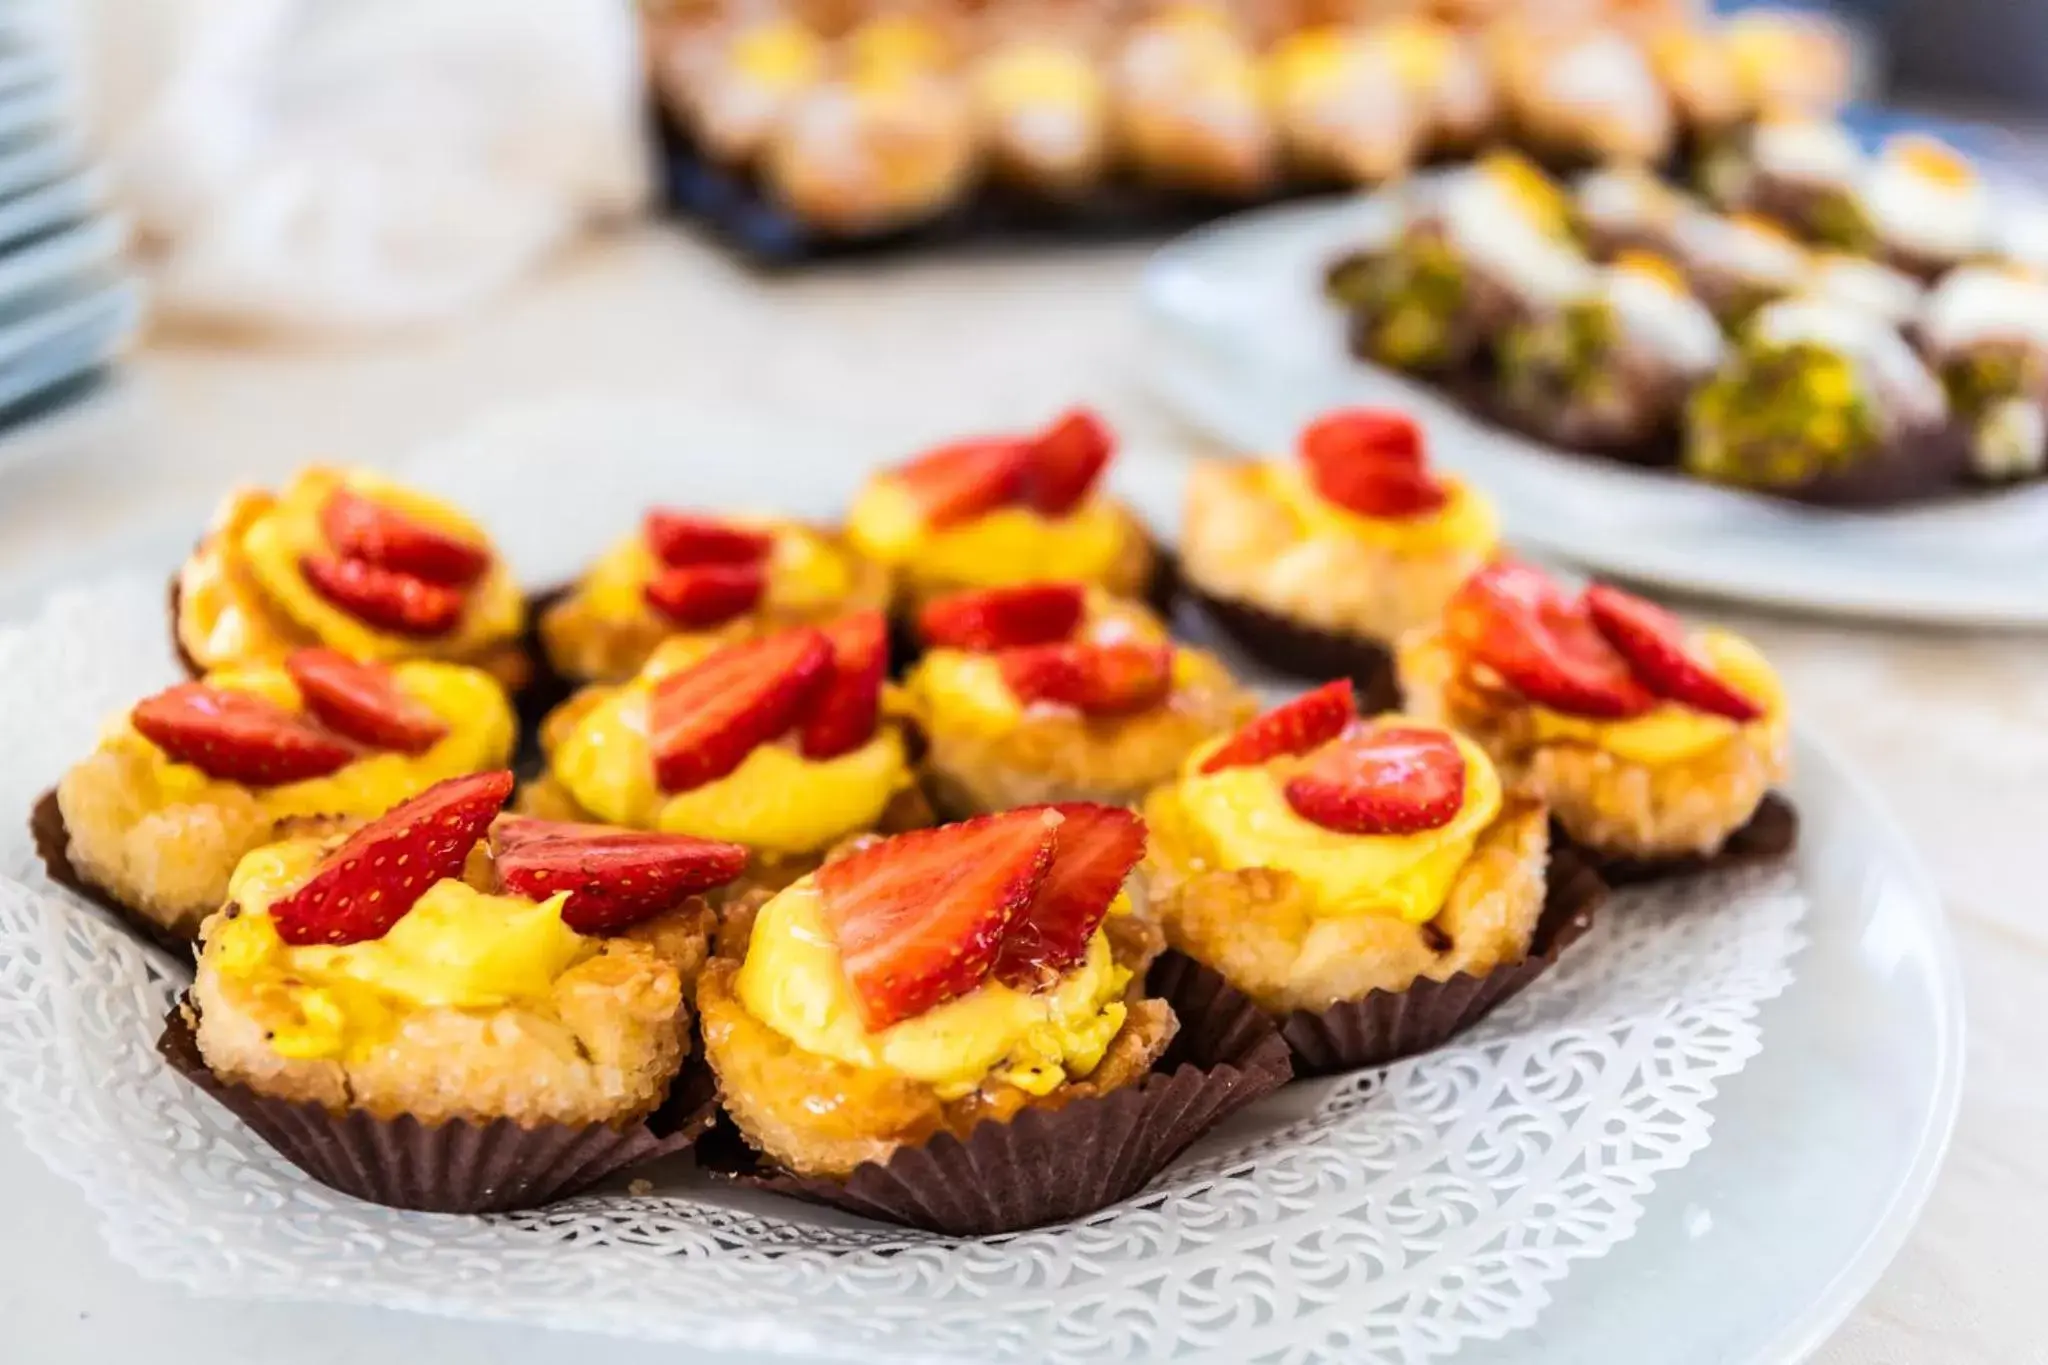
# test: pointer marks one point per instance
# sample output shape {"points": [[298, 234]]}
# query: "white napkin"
{"points": [[347, 164]]}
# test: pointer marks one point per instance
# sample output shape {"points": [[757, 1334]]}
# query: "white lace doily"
{"points": [[1379, 1217]]}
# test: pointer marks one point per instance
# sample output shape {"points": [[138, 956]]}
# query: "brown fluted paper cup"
{"points": [[1303, 651], [1770, 834]]}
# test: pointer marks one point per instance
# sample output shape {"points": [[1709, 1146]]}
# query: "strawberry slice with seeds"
{"points": [[920, 918], [705, 720], [848, 707], [967, 479], [368, 884], [1004, 618], [699, 596], [1393, 779], [1096, 849], [1653, 641], [363, 702], [1295, 727], [363, 528], [681, 538], [1066, 460], [237, 736], [388, 599], [1369, 461], [615, 878], [1097, 679], [1514, 620]]}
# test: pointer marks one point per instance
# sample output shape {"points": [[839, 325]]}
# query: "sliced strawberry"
{"points": [[1653, 642], [1066, 460], [705, 720], [966, 479], [614, 877], [1004, 618], [1099, 679], [364, 887], [388, 599], [699, 596], [1096, 849], [920, 918], [1369, 461], [237, 736], [1394, 779], [1307, 722], [849, 706], [362, 701], [679, 538], [1543, 643], [362, 528]]}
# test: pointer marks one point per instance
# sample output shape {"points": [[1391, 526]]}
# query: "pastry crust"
{"points": [[1240, 542], [602, 1049], [1258, 926], [1609, 804], [817, 1116]]}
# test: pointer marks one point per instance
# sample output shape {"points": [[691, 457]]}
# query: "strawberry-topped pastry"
{"points": [[781, 743], [693, 573], [933, 981], [444, 963], [187, 781], [1318, 859], [1055, 691], [348, 559], [994, 510], [1317, 565], [1650, 741]]}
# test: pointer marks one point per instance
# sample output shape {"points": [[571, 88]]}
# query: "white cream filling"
{"points": [[1978, 303]]}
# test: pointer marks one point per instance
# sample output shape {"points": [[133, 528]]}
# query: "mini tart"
{"points": [[160, 838], [604, 628], [244, 596], [987, 749], [1316, 590]]}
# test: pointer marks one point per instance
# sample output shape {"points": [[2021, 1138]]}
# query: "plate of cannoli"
{"points": [[682, 877], [1813, 378]]}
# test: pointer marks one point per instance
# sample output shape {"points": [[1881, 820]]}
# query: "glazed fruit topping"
{"points": [[238, 736], [705, 720], [363, 702], [685, 538], [1369, 461], [699, 596], [1653, 641], [1308, 722], [967, 479], [368, 884], [389, 599], [1004, 618], [848, 707], [615, 878], [1066, 460], [920, 918], [1391, 779], [1543, 643], [1095, 849], [1098, 679], [363, 528]]}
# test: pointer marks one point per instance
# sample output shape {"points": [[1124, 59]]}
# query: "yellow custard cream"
{"points": [[1246, 822], [806, 574], [793, 982], [999, 547], [1671, 733], [1465, 522]]}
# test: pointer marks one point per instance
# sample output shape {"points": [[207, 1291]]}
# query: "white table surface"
{"points": [[1953, 727]]}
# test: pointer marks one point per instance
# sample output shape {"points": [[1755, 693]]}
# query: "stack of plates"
{"points": [[67, 304]]}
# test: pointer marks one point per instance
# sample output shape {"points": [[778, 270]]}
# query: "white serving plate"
{"points": [[1240, 342], [1831, 1091]]}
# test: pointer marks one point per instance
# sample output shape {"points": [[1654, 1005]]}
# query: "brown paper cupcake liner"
{"points": [[1771, 833], [1386, 1026], [452, 1167], [53, 845], [1052, 1165], [1304, 651]]}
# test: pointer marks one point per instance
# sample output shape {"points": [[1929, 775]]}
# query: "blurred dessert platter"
{"points": [[813, 127], [885, 864]]}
